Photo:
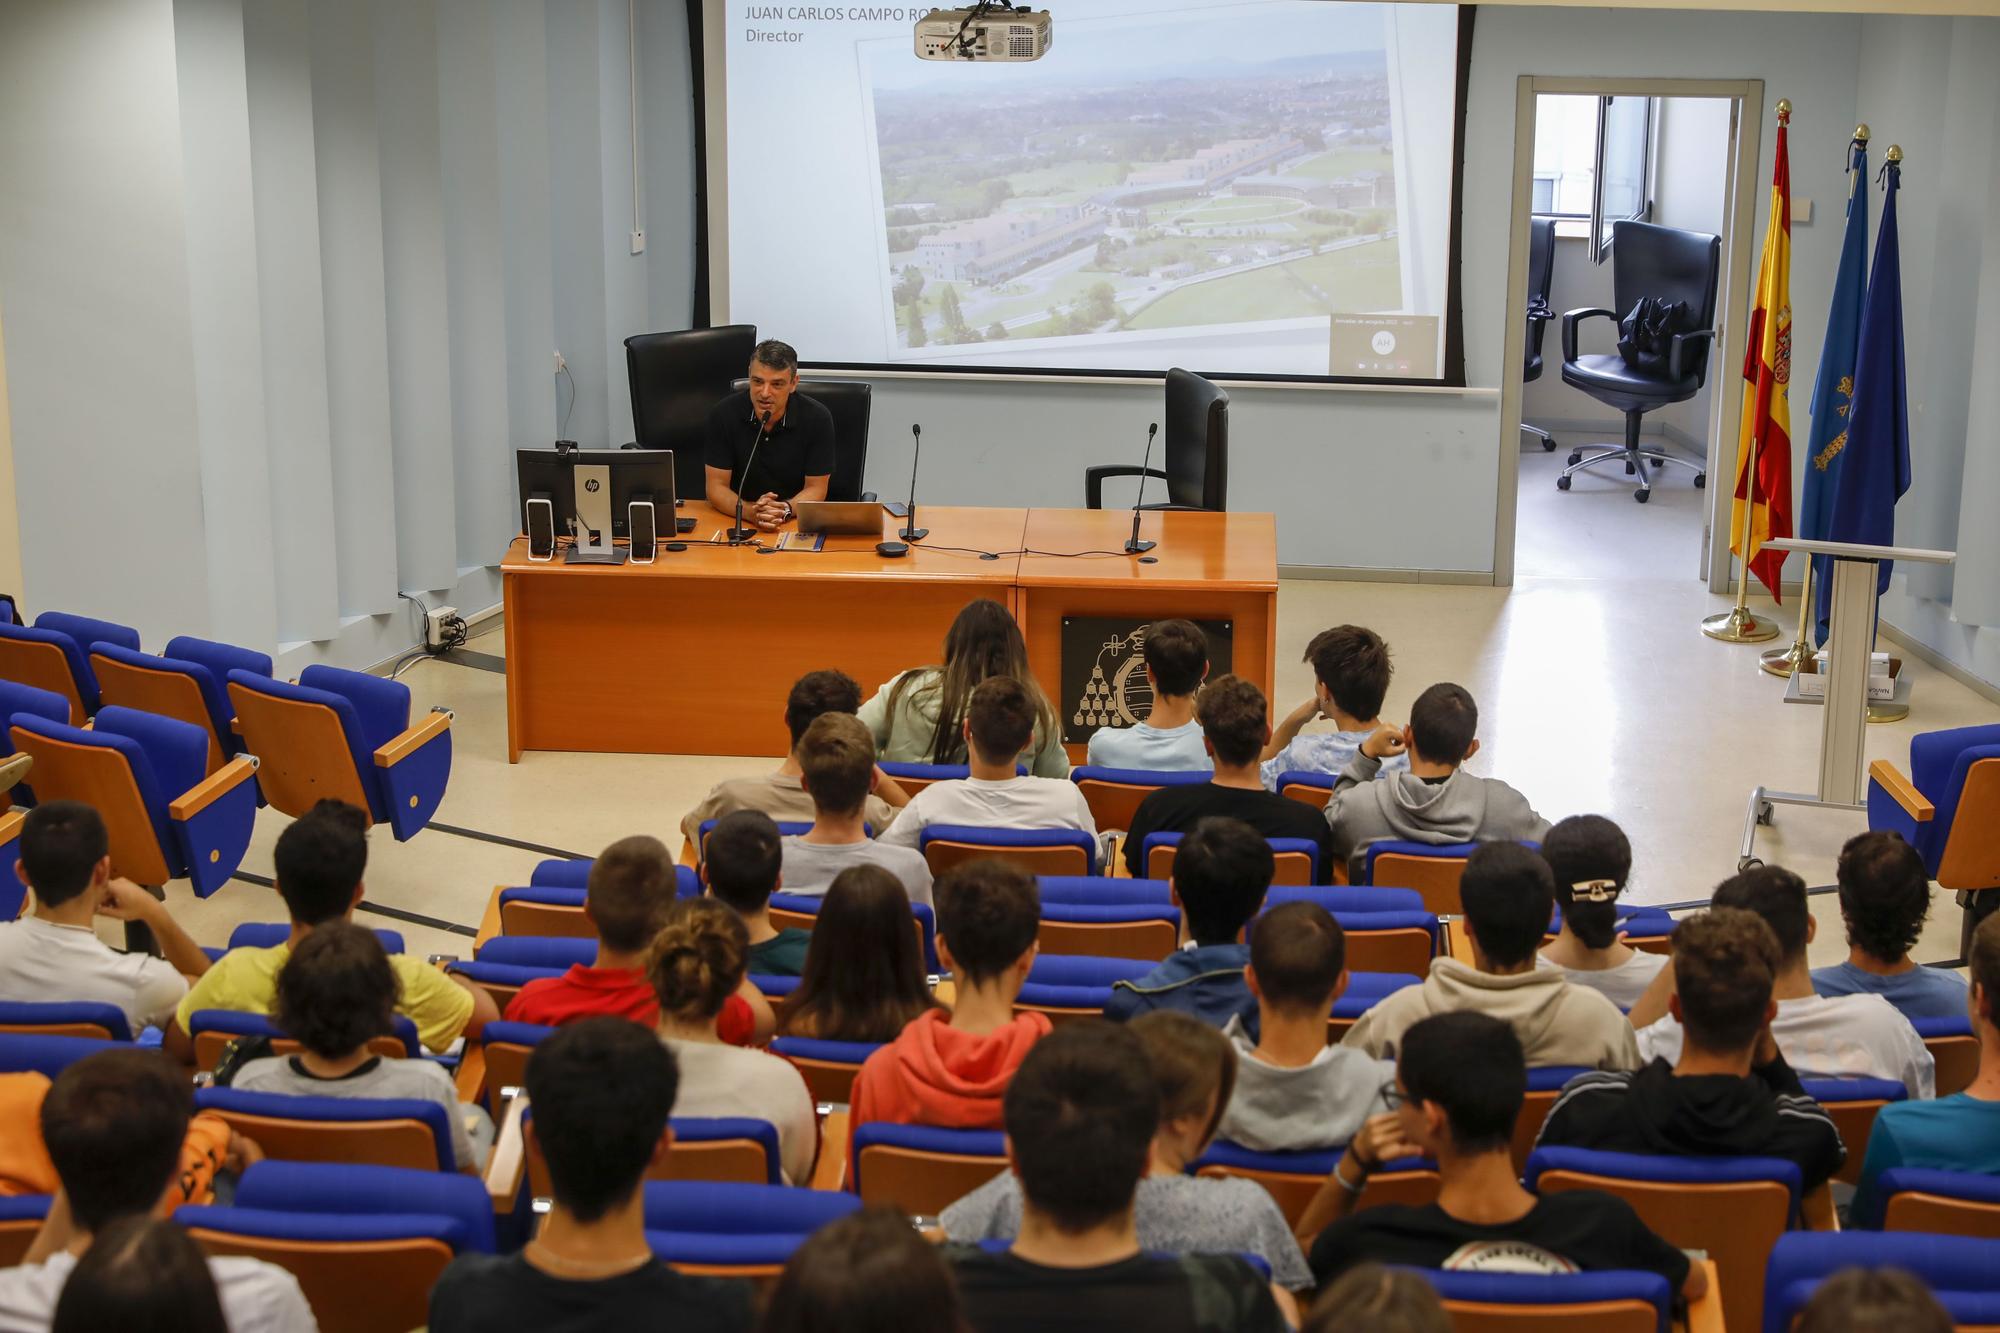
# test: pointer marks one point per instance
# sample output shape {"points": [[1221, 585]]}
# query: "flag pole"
{"points": [[1739, 624], [1785, 661]]}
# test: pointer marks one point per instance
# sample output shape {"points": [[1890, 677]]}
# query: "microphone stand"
{"points": [[740, 534], [911, 532], [1133, 546]]}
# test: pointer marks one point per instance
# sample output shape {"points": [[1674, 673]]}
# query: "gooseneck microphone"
{"points": [[911, 532], [1133, 546], [740, 534]]}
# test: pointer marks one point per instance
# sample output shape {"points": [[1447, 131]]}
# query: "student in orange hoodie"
{"points": [[951, 1068]]}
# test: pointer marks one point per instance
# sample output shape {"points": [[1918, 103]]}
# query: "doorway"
{"points": [[1590, 155]]}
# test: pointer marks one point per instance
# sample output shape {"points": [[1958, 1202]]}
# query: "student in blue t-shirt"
{"points": [[1351, 671], [1956, 1133], [1884, 897], [1176, 655]]}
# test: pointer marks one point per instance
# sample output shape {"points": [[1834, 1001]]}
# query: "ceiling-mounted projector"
{"points": [[989, 31]]}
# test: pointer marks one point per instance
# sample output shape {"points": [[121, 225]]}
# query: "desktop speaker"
{"points": [[541, 528], [641, 522]]}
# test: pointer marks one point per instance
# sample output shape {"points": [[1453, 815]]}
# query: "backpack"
{"points": [[1646, 334]]}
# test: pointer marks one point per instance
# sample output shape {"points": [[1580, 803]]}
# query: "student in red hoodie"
{"points": [[951, 1068]]}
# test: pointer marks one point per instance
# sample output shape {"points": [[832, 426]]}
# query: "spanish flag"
{"points": [[1767, 373]]}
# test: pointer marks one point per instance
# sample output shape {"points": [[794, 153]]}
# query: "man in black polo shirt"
{"points": [[795, 460]]}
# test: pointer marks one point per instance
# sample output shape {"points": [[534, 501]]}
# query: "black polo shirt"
{"points": [[799, 446]]}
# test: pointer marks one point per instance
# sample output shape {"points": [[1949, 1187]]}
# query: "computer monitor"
{"points": [[592, 495]]}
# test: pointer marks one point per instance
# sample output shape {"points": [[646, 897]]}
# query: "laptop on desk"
{"points": [[861, 518]]}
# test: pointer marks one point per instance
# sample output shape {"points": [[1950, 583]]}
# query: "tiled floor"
{"points": [[1597, 694]]}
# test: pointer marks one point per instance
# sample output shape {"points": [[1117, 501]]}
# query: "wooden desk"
{"points": [[694, 653], [1210, 566]]}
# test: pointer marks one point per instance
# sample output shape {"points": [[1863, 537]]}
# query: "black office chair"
{"points": [[1669, 265], [849, 402], [1197, 451], [676, 378], [1541, 270]]}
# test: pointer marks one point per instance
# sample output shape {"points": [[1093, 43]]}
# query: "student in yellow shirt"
{"points": [[320, 860]]}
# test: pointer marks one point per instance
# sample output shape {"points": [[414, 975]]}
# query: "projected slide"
{"points": [[1256, 188]]}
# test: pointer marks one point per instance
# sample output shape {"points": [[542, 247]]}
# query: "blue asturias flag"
{"points": [[1876, 462], [1833, 389]]}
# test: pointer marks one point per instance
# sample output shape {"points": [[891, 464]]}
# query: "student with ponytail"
{"points": [[1591, 861], [696, 962]]}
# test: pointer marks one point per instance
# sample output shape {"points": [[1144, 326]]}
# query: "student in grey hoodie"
{"points": [[1293, 1091], [1436, 801], [1508, 895]]}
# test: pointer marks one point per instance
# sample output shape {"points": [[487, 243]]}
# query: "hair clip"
{"points": [[1594, 890]]}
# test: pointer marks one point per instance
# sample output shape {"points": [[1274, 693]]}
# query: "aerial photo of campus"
{"points": [[1230, 191]]}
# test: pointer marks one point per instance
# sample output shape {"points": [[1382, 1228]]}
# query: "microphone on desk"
{"points": [[740, 534], [1133, 546], [911, 532]]}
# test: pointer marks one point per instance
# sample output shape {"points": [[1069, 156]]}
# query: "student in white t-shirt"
{"points": [[999, 723], [837, 768], [1821, 1036], [1176, 655], [1591, 860], [53, 954]]}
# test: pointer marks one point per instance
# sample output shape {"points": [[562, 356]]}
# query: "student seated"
{"points": [[336, 994], [320, 858], [919, 716], [779, 793], [1234, 727], [602, 1091], [696, 963], [1175, 1212], [1221, 874], [1956, 1133], [1730, 1094], [1293, 1091], [1885, 895], [626, 897], [868, 1272], [1822, 1036], [53, 954], [999, 723], [741, 869], [837, 765], [1369, 1298], [864, 976], [1591, 861], [1351, 671], [141, 1274], [1436, 800], [950, 1068], [1082, 1115], [1507, 893], [1460, 1081], [1873, 1300], [1176, 656], [115, 1124]]}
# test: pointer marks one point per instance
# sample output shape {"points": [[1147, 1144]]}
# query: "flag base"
{"points": [[1784, 661], [1738, 625]]}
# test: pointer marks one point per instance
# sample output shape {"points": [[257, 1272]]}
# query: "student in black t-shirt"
{"points": [[601, 1091], [1459, 1084], [790, 434], [1081, 1112], [1235, 723]]}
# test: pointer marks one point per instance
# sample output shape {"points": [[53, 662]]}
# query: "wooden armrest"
{"points": [[412, 740], [489, 923], [471, 1077], [1705, 1315], [214, 787], [1817, 1210], [508, 1166], [1892, 780], [1457, 940], [10, 824], [831, 1169]]}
